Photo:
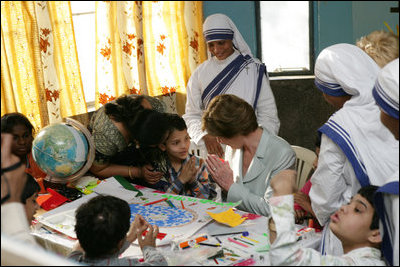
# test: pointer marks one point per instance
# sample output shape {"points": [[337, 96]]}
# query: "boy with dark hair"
{"points": [[186, 174], [104, 232], [356, 224]]}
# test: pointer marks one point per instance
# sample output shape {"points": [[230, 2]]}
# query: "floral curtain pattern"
{"points": [[40, 74], [147, 47]]}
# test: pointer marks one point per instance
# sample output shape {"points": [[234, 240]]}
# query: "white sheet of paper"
{"points": [[112, 187]]}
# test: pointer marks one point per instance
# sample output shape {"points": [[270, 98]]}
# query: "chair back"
{"points": [[200, 151], [304, 164]]}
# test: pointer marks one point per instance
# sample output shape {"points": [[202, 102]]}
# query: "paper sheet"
{"points": [[112, 187], [228, 217]]}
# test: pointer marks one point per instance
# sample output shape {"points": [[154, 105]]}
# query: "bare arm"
{"points": [[108, 170]]}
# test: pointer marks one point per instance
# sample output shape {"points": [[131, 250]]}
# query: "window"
{"points": [[83, 16], [285, 42]]}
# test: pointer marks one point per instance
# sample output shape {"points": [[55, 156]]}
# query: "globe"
{"points": [[64, 151]]}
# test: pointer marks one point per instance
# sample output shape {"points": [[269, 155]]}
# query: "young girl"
{"points": [[22, 130]]}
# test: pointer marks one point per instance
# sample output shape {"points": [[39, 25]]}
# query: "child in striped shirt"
{"points": [[187, 174]]}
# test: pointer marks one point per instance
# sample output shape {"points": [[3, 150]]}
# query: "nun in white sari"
{"points": [[386, 94], [236, 72], [356, 149]]}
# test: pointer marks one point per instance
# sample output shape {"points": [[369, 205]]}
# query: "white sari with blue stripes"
{"points": [[240, 75], [356, 148]]}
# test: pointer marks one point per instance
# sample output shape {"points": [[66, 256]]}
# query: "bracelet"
{"points": [[129, 172]]}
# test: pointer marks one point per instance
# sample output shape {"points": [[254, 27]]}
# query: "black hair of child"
{"points": [[8, 121], [101, 224], [368, 193]]}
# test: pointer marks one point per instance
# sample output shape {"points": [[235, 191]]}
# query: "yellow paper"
{"points": [[228, 217]]}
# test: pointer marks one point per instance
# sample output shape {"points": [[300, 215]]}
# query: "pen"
{"points": [[156, 201], [210, 245], [219, 240], [231, 233]]}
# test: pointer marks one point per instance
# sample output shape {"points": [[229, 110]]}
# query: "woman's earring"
{"points": [[137, 145]]}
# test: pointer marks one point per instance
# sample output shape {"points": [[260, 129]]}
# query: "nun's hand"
{"points": [[213, 146]]}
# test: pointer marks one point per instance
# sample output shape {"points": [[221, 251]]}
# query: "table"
{"points": [[255, 225]]}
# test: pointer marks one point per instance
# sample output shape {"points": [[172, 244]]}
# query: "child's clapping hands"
{"points": [[138, 226], [189, 171]]}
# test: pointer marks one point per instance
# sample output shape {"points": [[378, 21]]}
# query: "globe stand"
{"points": [[59, 184]]}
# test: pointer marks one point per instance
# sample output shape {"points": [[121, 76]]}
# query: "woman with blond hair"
{"points": [[381, 46]]}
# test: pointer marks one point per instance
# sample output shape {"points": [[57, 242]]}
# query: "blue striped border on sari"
{"points": [[338, 135]]}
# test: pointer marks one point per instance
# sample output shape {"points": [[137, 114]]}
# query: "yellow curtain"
{"points": [[147, 47], [40, 74]]}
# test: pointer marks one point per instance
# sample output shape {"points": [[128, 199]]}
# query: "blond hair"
{"points": [[228, 116], [381, 46]]}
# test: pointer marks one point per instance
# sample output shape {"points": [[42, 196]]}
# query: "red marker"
{"points": [[163, 199]]}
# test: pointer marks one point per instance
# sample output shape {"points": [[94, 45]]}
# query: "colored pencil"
{"points": [[210, 245], [251, 239], [170, 203], [183, 207], [228, 233], [219, 240], [238, 243], [248, 243], [156, 201]]}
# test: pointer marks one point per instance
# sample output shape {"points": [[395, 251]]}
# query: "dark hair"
{"points": [[368, 193], [124, 109], [8, 121], [150, 127], [176, 122], [31, 187], [228, 116], [101, 223], [317, 141]]}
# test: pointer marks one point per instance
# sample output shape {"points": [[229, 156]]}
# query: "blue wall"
{"points": [[242, 13], [334, 21]]}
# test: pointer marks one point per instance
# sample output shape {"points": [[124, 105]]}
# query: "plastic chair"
{"points": [[304, 164], [200, 151]]}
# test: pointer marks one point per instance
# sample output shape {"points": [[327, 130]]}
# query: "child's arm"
{"points": [[148, 244], [202, 187]]}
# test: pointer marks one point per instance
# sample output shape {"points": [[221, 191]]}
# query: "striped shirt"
{"points": [[202, 187]]}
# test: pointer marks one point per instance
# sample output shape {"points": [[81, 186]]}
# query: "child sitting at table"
{"points": [[356, 224], [104, 232], [22, 130], [187, 174]]}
